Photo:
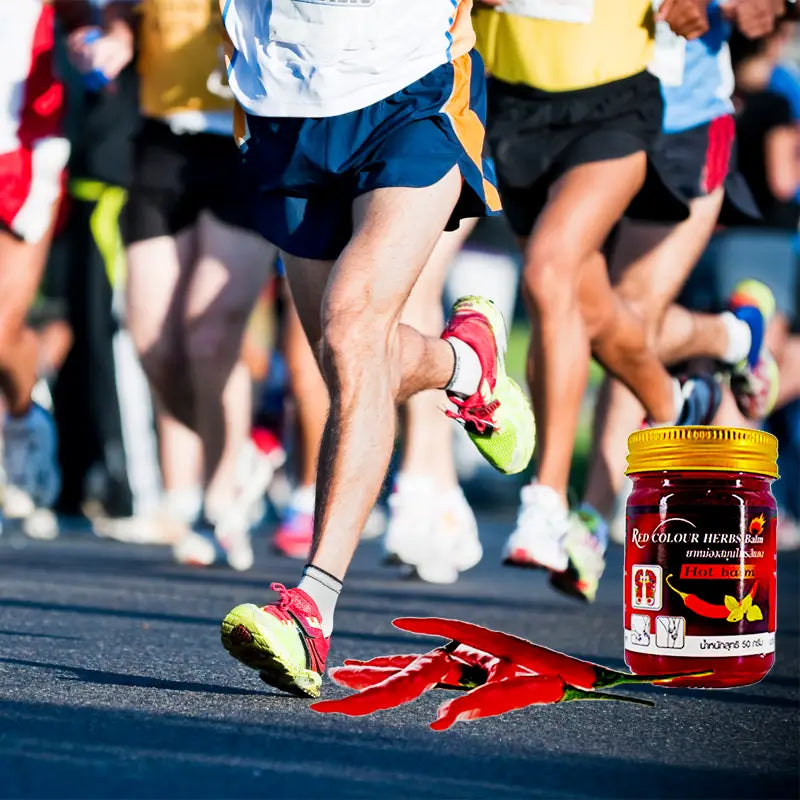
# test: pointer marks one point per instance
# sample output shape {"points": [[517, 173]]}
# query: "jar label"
{"points": [[700, 582]]}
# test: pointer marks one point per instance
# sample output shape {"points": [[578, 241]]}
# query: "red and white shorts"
{"points": [[33, 153]]}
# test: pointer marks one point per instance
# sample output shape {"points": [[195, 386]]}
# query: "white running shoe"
{"points": [[198, 548], [411, 519], [232, 532], [30, 448], [455, 546], [539, 540]]}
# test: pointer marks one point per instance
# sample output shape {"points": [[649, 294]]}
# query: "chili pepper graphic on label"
{"points": [[733, 610]]}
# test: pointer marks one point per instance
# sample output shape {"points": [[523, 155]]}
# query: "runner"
{"points": [[571, 121], [195, 267], [364, 127], [652, 262], [33, 154]]}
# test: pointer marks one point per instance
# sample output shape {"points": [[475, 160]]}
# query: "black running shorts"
{"points": [[176, 176], [535, 137], [696, 161]]}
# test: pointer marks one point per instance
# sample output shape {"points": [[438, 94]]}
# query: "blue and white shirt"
{"points": [[696, 76]]}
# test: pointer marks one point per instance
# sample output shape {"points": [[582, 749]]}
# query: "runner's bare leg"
{"points": [[369, 360]]}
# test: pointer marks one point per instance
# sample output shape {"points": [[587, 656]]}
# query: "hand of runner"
{"points": [[687, 18], [754, 18], [109, 54]]}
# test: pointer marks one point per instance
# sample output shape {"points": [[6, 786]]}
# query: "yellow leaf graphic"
{"points": [[754, 614], [747, 601], [736, 615], [731, 603]]}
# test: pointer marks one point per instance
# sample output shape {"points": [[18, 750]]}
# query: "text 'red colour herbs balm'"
{"points": [[700, 554]]}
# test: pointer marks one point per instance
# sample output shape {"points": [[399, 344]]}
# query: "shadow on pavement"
{"points": [[105, 678], [48, 750]]}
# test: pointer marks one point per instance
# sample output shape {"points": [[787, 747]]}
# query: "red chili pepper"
{"points": [[360, 677], [399, 661], [508, 695], [536, 658], [700, 606], [424, 673]]}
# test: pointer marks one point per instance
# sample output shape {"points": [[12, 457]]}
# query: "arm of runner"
{"points": [[781, 161], [754, 18], [687, 18]]}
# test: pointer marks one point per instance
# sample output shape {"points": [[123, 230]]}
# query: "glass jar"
{"points": [[700, 555]]}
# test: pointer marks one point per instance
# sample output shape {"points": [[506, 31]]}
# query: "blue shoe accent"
{"points": [[754, 319]]}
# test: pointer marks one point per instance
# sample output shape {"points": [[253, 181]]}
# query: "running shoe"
{"points": [[586, 540], [33, 478], [454, 546], [232, 532], [411, 518], [701, 398], [498, 416], [283, 641], [539, 540], [754, 380], [199, 547], [295, 533]]}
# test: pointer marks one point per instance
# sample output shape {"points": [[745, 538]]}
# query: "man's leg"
{"points": [[570, 301], [575, 312], [295, 534], [29, 452], [231, 267], [159, 273], [21, 268], [369, 360], [649, 266]]}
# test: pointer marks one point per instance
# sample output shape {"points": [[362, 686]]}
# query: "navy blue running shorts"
{"points": [[308, 171]]}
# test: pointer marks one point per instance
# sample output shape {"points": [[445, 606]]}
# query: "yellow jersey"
{"points": [[564, 45], [181, 59]]}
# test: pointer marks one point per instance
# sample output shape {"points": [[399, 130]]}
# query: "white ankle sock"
{"points": [[467, 373], [739, 338], [324, 590]]}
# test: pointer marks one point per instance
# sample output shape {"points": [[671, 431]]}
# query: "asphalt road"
{"points": [[113, 684]]}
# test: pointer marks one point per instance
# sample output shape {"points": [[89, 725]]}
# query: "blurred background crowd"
{"points": [[125, 320]]}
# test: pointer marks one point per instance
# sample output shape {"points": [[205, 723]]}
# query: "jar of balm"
{"points": [[700, 555]]}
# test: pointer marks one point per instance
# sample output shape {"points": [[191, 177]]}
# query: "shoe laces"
{"points": [[286, 599], [474, 412]]}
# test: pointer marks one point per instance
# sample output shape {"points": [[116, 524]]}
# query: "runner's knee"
{"points": [[349, 338], [546, 284]]}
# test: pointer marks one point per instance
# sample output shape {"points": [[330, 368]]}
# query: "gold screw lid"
{"points": [[703, 448]]}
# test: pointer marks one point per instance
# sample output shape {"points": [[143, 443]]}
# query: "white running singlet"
{"points": [[321, 58]]}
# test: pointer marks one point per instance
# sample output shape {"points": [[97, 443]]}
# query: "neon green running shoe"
{"points": [[283, 641], [755, 380], [498, 416], [585, 543]]}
